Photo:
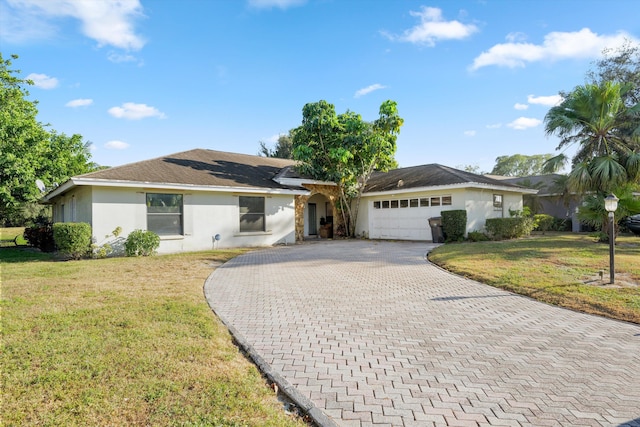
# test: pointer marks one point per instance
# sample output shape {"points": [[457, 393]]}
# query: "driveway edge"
{"points": [[307, 406]]}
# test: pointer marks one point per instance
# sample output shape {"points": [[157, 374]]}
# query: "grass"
{"points": [[7, 235], [122, 341], [554, 268]]}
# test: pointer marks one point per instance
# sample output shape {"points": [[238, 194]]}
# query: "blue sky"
{"points": [[145, 78]]}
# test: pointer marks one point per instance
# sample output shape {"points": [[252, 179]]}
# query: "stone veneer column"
{"points": [[300, 202]]}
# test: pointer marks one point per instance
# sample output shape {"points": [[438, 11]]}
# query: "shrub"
{"points": [[543, 222], [477, 236], [105, 248], [454, 225], [41, 237], [562, 224], [72, 238], [141, 243], [509, 228]]}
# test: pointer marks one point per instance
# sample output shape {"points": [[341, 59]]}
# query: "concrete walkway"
{"points": [[367, 333]]}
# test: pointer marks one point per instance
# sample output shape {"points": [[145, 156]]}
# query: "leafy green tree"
{"points": [[283, 148], [471, 168], [346, 150], [592, 116], [520, 165], [28, 151]]}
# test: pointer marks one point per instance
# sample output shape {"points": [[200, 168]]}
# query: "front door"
{"points": [[313, 225]]}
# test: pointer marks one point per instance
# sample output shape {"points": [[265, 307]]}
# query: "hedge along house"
{"points": [[398, 204], [203, 199]]}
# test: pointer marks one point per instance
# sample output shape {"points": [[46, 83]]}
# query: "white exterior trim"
{"points": [[466, 185], [299, 181], [77, 182]]}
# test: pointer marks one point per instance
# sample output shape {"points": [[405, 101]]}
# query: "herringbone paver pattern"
{"points": [[374, 335]]}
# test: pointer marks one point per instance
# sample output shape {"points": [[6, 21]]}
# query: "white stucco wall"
{"points": [[74, 206], [205, 214], [479, 206]]}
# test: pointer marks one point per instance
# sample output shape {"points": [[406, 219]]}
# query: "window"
{"points": [[252, 215], [394, 204], [73, 208], [435, 201], [413, 203], [446, 200], [385, 204], [164, 213], [376, 204], [424, 202], [497, 201], [404, 203]]}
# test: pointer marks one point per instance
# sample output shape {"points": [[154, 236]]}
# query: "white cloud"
{"points": [[494, 126], [368, 89], [282, 4], [516, 37], [523, 123], [117, 58], [116, 145], [79, 103], [519, 106], [549, 101], [469, 133], [106, 21], [556, 46], [433, 28], [43, 81], [132, 111]]}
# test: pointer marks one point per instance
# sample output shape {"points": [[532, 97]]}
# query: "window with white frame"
{"points": [[252, 214], [164, 213]]}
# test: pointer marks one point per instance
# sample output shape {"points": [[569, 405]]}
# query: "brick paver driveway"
{"points": [[374, 335]]}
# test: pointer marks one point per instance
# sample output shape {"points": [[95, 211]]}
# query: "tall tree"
{"points": [[520, 165], [592, 116], [621, 65], [283, 148], [346, 150], [28, 151]]}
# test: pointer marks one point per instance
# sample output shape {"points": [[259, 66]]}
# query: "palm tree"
{"points": [[593, 116], [592, 211]]}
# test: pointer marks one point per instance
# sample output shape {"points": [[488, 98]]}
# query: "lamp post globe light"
{"points": [[610, 205]]}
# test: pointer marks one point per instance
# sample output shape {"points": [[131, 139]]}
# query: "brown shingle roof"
{"points": [[427, 176], [200, 167]]}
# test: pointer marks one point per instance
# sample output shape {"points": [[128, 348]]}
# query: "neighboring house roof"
{"points": [[198, 168], [434, 175], [544, 183]]}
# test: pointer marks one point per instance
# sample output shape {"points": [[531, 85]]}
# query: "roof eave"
{"points": [[78, 181], [464, 185], [298, 182]]}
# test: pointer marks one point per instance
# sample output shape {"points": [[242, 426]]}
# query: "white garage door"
{"points": [[404, 219]]}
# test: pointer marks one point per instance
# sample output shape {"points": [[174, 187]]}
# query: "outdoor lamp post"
{"points": [[611, 204]]}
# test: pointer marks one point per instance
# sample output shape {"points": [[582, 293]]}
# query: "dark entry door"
{"points": [[313, 223]]}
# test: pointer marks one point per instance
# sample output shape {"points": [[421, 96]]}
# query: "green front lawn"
{"points": [[122, 341], [561, 269]]}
